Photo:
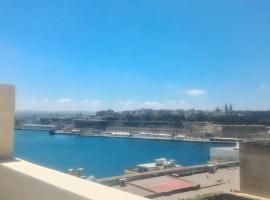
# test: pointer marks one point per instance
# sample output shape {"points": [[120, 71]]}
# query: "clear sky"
{"points": [[97, 54]]}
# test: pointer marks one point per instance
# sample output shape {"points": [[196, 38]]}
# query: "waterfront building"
{"points": [[203, 129], [243, 131], [161, 163], [131, 126], [39, 127]]}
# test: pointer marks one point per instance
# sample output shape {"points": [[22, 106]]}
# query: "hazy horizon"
{"points": [[92, 111]]}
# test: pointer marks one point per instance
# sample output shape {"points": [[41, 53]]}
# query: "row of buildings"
{"points": [[192, 129]]}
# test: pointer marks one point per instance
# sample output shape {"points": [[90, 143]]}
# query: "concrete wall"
{"points": [[129, 126], [255, 168], [242, 131], [7, 105]]}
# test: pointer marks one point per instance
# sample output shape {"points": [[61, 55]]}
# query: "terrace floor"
{"points": [[224, 180]]}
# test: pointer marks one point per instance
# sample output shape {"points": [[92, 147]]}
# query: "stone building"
{"points": [[255, 168]]}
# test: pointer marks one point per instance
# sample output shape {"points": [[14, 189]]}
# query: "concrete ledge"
{"points": [[26, 181]]}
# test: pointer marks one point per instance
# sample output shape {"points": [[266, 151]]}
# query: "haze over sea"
{"points": [[101, 156]]}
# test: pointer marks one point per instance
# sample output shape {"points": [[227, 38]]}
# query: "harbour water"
{"points": [[104, 156]]}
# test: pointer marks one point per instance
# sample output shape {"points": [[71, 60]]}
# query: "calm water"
{"points": [[101, 156]]}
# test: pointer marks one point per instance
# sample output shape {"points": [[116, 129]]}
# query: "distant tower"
{"points": [[226, 108], [230, 108], [217, 110]]}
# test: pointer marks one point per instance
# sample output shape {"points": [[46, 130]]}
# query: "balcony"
{"points": [[20, 179]]}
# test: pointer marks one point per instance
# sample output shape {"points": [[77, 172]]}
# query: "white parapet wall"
{"points": [[26, 181], [7, 105]]}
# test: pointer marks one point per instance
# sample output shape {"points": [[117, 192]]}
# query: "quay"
{"points": [[37, 127], [180, 171], [150, 136]]}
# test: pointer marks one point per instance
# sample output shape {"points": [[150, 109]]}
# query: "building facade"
{"points": [[255, 168], [243, 131]]}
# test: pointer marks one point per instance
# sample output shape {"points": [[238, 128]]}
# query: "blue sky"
{"points": [[97, 54]]}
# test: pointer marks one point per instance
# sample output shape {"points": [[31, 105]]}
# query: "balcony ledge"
{"points": [[25, 180]]}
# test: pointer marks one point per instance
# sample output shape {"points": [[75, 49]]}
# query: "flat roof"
{"points": [[164, 184]]}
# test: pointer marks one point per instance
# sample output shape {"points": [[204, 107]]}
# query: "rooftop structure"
{"points": [[161, 163]]}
